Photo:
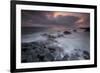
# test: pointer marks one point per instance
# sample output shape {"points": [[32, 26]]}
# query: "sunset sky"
{"points": [[55, 20]]}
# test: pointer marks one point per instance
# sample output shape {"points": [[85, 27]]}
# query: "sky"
{"points": [[55, 20]]}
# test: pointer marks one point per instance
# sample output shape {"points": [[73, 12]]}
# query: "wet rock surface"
{"points": [[42, 51], [56, 46]]}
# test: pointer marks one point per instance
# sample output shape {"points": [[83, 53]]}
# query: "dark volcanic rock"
{"points": [[86, 29], [60, 35], [74, 56], [26, 45], [74, 30], [66, 57], [67, 32], [49, 57], [86, 55], [52, 49], [41, 57], [40, 51]]}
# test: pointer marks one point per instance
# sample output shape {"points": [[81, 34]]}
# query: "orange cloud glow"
{"points": [[56, 14], [80, 22]]}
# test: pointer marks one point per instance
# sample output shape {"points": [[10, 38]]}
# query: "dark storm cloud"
{"points": [[30, 18], [47, 19]]}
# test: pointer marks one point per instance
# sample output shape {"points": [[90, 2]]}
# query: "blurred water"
{"points": [[71, 45]]}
